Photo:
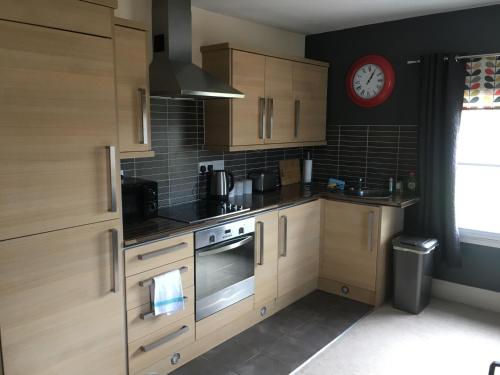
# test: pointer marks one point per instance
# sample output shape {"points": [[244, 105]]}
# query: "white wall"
{"points": [[211, 28]]}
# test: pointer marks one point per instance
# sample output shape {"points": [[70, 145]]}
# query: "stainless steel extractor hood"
{"points": [[172, 73]]}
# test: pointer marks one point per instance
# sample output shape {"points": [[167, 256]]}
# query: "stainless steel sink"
{"points": [[368, 193]]}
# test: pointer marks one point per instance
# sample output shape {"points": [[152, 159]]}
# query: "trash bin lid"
{"points": [[418, 245]]}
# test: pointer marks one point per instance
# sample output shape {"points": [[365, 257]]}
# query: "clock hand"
{"points": [[369, 79]]}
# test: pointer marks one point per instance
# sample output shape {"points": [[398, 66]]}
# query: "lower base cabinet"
{"points": [[62, 299], [299, 242], [356, 248]]}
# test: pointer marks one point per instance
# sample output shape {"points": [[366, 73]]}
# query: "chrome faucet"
{"points": [[360, 182]]}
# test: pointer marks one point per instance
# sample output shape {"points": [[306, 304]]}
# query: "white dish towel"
{"points": [[167, 293]]}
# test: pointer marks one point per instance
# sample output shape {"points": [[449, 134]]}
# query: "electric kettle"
{"points": [[220, 184]]}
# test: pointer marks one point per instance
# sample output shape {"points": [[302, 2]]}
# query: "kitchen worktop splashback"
{"points": [[177, 132]]}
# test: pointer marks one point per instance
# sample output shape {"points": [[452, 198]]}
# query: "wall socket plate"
{"points": [[215, 164]]}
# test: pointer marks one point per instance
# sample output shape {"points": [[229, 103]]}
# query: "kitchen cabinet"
{"points": [[355, 249], [299, 243], [284, 104], [58, 132], [309, 87], [62, 302], [84, 16], [132, 88], [266, 258]]}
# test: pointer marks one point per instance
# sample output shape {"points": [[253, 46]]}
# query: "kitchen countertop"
{"points": [[289, 195]]}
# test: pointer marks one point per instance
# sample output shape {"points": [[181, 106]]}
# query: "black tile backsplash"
{"points": [[372, 152], [177, 132]]}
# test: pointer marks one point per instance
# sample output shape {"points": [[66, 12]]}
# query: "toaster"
{"points": [[264, 181]]}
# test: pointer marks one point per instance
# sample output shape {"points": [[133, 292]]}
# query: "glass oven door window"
{"points": [[224, 264]]}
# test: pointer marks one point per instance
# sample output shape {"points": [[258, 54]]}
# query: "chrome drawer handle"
{"points": [[151, 314], [112, 177], [297, 117], [149, 282], [164, 251], [116, 261], [371, 216], [164, 340], [284, 225], [144, 115], [262, 117], [261, 243]]}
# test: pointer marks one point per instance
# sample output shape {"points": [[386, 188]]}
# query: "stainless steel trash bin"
{"points": [[413, 267]]}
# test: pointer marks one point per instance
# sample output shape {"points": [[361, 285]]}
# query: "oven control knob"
{"points": [[224, 206], [211, 238], [231, 206], [241, 230]]}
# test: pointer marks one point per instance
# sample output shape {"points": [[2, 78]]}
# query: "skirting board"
{"points": [[468, 295]]}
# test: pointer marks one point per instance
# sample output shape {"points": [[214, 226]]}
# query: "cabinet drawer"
{"points": [[140, 324], [138, 295], [156, 254], [160, 344], [71, 15]]}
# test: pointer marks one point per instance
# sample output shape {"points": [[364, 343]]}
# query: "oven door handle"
{"points": [[217, 249]]}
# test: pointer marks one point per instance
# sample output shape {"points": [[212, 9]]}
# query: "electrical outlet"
{"points": [[215, 165]]}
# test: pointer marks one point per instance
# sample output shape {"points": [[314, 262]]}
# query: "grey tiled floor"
{"points": [[279, 344]]}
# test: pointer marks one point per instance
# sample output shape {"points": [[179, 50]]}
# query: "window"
{"points": [[477, 186]]}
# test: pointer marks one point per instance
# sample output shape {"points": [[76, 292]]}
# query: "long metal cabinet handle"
{"points": [[261, 243], [225, 248], [164, 340], [149, 282], [144, 115], [262, 116], [151, 314], [164, 251], [116, 261], [284, 224], [297, 117], [112, 177], [270, 114], [371, 216]]}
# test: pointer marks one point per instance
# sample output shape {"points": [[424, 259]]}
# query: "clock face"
{"points": [[368, 81]]}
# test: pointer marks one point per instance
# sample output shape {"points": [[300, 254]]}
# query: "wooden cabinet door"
{"points": [[58, 119], [89, 17], [248, 76], [299, 246], [350, 244], [310, 86], [58, 313], [279, 104], [132, 86], [266, 258]]}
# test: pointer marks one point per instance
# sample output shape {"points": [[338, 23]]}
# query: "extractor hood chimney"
{"points": [[172, 73]]}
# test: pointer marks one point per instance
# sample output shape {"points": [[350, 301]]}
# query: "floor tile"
{"points": [[260, 337], [203, 366], [290, 351], [230, 354], [263, 365]]}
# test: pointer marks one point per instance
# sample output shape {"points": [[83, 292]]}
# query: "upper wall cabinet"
{"points": [[84, 16], [284, 104], [58, 132], [132, 88]]}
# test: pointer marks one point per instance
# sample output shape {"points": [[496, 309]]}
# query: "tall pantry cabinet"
{"points": [[61, 294]]}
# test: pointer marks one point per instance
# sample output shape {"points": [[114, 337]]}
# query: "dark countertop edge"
{"points": [[189, 228]]}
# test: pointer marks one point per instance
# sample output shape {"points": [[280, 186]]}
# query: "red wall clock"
{"points": [[370, 81]]}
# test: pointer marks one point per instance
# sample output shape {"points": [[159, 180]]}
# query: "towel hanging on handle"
{"points": [[168, 297]]}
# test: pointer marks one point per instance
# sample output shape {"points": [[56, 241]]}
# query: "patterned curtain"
{"points": [[482, 83]]}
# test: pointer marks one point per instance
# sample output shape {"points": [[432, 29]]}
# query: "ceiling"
{"points": [[316, 16]]}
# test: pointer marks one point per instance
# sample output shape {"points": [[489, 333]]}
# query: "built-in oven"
{"points": [[224, 266]]}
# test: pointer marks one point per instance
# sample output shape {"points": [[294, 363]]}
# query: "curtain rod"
{"points": [[409, 62]]}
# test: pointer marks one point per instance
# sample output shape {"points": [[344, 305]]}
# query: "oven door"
{"points": [[224, 274]]}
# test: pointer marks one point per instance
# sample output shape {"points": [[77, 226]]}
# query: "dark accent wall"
{"points": [[468, 31], [177, 132]]}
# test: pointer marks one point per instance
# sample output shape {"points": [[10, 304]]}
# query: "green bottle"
{"points": [[412, 183]]}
